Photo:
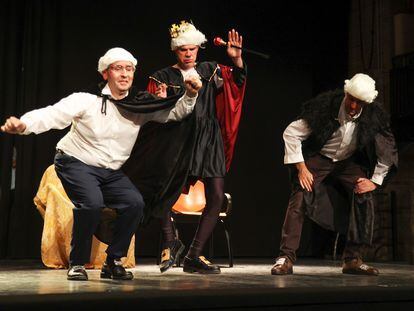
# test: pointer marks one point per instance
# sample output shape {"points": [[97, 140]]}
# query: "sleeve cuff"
{"points": [[377, 179], [27, 122], [293, 158], [190, 101]]}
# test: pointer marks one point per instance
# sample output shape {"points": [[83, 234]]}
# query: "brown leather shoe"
{"points": [[357, 266], [282, 266]]}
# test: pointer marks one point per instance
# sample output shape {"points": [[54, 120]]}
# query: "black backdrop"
{"points": [[49, 49]]}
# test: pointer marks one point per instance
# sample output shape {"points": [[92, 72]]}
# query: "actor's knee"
{"points": [[136, 204], [90, 205], [218, 198]]}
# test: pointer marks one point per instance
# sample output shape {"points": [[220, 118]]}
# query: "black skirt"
{"points": [[208, 159]]}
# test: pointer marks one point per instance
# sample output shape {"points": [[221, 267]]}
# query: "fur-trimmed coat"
{"points": [[374, 137], [375, 141]]}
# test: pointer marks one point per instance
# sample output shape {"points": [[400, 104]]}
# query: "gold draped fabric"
{"points": [[56, 209]]}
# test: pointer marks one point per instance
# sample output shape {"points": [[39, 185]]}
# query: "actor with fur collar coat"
{"points": [[340, 149]]}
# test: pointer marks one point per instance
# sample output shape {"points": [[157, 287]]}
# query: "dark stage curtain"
{"points": [[50, 48], [29, 55]]}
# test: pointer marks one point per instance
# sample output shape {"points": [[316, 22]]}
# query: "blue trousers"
{"points": [[91, 189]]}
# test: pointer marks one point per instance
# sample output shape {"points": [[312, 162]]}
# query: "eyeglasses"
{"points": [[119, 68]]}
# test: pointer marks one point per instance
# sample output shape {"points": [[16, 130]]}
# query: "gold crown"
{"points": [[176, 30]]}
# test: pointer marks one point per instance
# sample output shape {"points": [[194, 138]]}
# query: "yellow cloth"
{"points": [[56, 209]]}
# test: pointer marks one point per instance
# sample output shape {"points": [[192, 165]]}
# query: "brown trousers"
{"points": [[346, 172]]}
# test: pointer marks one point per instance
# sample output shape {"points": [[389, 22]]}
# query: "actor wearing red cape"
{"points": [[197, 148]]}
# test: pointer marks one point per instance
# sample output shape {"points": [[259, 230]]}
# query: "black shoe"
{"points": [[170, 255], [114, 270], [199, 265], [77, 273]]}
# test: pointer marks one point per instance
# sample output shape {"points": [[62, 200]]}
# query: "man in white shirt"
{"points": [[90, 155], [341, 137]]}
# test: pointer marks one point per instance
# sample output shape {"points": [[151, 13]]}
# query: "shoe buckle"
{"points": [[76, 270], [165, 255], [280, 261], [203, 259]]}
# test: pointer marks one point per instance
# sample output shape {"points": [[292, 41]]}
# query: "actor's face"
{"points": [[353, 105], [119, 76], [187, 56]]}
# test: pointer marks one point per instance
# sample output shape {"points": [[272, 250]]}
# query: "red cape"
{"points": [[229, 107]]}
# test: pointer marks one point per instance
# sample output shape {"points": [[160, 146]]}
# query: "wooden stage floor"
{"points": [[315, 285]]}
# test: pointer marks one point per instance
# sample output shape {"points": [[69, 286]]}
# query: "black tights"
{"points": [[214, 193]]}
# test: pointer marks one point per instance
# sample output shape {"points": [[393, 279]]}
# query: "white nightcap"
{"points": [[115, 55]]}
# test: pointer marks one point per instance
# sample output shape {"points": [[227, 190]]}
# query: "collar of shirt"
{"points": [[343, 117], [107, 91]]}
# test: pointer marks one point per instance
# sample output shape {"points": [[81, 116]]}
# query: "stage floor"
{"points": [[315, 285]]}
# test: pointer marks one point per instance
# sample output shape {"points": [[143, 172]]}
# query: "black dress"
{"points": [[168, 156], [208, 154]]}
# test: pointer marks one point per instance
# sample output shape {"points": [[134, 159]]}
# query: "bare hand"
{"points": [[364, 185], [234, 53], [305, 176], [161, 90], [13, 126], [192, 86]]}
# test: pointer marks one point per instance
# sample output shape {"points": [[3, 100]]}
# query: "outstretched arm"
{"points": [[13, 125], [57, 116]]}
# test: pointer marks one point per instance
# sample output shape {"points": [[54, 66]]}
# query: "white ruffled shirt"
{"points": [[97, 139]]}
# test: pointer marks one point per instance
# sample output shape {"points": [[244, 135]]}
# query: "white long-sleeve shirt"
{"points": [[340, 146], [97, 139]]}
